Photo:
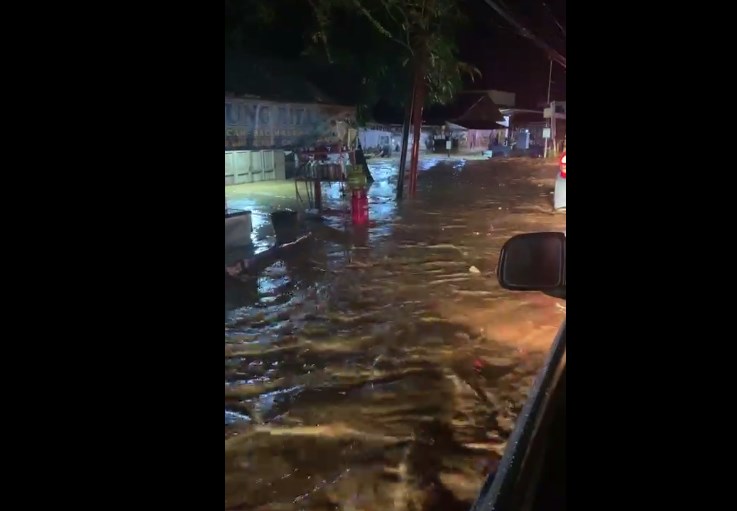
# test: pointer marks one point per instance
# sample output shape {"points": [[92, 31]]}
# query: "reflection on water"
{"points": [[374, 370]]}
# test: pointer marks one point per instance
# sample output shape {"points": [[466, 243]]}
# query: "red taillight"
{"points": [[563, 165]]}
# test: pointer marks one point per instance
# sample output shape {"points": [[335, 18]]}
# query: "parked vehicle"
{"points": [[559, 195], [532, 473]]}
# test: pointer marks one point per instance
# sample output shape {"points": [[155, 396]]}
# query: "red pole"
{"points": [[416, 129]]}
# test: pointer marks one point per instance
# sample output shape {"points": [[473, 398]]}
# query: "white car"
{"points": [[559, 195]]}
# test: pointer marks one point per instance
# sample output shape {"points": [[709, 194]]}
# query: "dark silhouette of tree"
{"points": [[422, 32], [368, 48]]}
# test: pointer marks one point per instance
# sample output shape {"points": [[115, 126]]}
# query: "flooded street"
{"points": [[383, 368]]}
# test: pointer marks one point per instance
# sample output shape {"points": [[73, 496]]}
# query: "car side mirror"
{"points": [[534, 262]]}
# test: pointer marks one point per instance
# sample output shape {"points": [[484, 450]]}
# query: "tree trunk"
{"points": [[405, 140], [418, 102]]}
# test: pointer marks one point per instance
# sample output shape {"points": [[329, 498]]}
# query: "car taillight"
{"points": [[563, 165]]}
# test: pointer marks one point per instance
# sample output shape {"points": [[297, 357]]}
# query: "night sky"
{"points": [[509, 61]]}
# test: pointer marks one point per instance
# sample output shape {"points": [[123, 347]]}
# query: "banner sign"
{"points": [[257, 124]]}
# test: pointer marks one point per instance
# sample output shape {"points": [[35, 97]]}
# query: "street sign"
{"points": [[546, 132], [547, 113]]}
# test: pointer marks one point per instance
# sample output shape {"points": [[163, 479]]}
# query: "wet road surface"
{"points": [[383, 368]]}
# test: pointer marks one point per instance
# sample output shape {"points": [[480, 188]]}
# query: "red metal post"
{"points": [[359, 207]]}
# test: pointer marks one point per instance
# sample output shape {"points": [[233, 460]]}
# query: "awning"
{"points": [[476, 125]]}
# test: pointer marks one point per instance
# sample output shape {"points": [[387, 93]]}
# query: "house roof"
{"points": [[482, 115], [472, 111]]}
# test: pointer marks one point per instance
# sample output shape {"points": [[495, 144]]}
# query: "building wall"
{"points": [[536, 131], [374, 139], [426, 137], [254, 166], [476, 139], [374, 133]]}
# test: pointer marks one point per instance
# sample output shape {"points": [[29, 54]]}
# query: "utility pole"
{"points": [[553, 124], [550, 80]]}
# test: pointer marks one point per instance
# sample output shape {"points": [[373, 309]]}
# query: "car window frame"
{"points": [[504, 489]]}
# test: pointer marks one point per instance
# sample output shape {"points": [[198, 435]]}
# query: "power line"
{"points": [[553, 54], [505, 12], [557, 23]]}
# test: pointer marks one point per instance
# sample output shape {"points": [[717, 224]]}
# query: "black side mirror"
{"points": [[534, 262]]}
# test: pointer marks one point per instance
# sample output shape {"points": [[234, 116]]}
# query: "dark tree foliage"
{"points": [[367, 48]]}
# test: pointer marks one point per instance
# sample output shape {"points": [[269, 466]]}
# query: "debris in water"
{"points": [[234, 417], [473, 269]]}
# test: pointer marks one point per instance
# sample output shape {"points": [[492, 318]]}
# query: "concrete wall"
{"points": [[425, 139], [253, 166], [374, 139]]}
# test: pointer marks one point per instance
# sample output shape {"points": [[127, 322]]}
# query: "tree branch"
{"points": [[322, 24], [365, 12]]}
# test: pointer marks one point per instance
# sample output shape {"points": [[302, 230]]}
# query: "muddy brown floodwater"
{"points": [[383, 369]]}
